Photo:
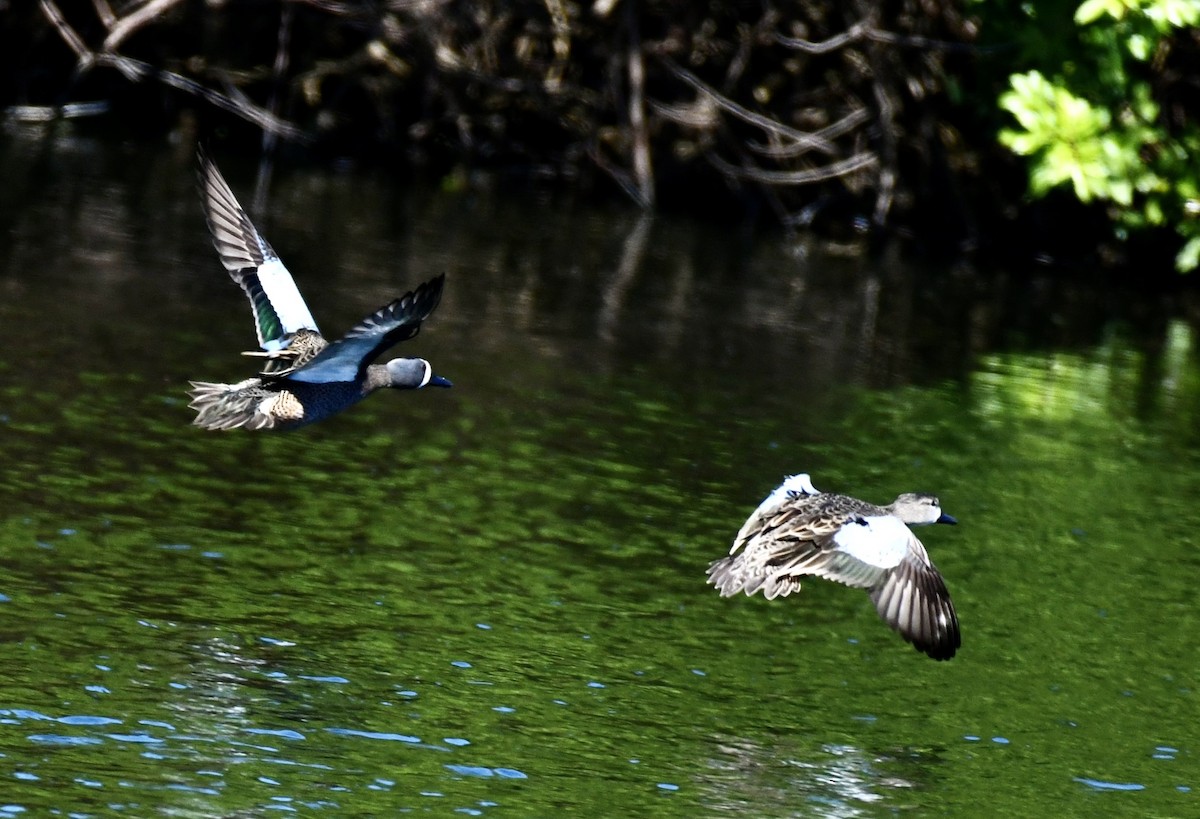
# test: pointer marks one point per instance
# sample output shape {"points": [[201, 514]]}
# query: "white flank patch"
{"points": [[879, 541], [285, 298], [799, 484]]}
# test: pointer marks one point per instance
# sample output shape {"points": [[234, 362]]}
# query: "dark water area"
{"points": [[490, 600]]}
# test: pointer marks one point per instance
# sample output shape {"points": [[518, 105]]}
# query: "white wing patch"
{"points": [[880, 541], [285, 298]]}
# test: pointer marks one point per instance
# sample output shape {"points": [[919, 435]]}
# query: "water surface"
{"points": [[490, 600]]}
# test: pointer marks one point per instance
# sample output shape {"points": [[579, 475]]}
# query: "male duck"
{"points": [[306, 378], [799, 531]]}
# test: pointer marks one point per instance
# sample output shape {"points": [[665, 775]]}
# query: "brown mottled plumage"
{"points": [[798, 531], [303, 346]]}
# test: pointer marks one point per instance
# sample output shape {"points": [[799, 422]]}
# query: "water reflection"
{"points": [[834, 781], [602, 291]]}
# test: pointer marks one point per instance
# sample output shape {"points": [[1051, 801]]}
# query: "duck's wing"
{"points": [[881, 554], [781, 543], [915, 602], [347, 358], [792, 492], [832, 541], [302, 347], [279, 309]]}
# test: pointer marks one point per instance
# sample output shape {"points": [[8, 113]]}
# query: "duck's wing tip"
{"points": [[275, 301], [916, 604], [398, 320]]}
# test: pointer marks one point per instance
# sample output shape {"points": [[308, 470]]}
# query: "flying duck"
{"points": [[305, 377], [799, 531]]}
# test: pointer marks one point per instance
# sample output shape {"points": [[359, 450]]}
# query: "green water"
{"points": [[490, 600]]}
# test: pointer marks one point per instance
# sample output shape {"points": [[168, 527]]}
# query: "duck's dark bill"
{"points": [[438, 381], [946, 519]]}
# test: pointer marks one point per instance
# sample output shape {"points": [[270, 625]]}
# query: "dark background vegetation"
{"points": [[856, 119]]}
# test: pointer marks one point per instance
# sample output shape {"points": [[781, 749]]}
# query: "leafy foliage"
{"points": [[1104, 131]]}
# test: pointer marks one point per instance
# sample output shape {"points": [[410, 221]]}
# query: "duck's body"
{"points": [[279, 402], [306, 378], [798, 531]]}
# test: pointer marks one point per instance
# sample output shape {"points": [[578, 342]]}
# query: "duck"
{"points": [[304, 378], [798, 531]]}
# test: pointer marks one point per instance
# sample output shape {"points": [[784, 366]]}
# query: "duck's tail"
{"points": [[731, 575], [230, 406]]}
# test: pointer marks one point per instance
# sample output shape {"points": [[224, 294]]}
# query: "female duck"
{"points": [[306, 378], [799, 531]]}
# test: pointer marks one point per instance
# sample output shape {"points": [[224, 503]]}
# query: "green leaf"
{"points": [[1188, 258], [1092, 10], [1140, 47]]}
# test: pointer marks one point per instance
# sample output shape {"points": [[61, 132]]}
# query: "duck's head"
{"points": [[919, 508], [413, 374]]}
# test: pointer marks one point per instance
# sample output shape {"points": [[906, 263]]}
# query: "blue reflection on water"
{"points": [[285, 733], [83, 719], [1101, 785], [352, 732], [59, 739], [485, 772]]}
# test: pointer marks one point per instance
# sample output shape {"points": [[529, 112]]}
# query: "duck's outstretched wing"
{"points": [[915, 602], [347, 358], [279, 309]]}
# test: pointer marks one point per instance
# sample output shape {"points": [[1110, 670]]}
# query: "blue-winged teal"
{"points": [[305, 377], [799, 531]]}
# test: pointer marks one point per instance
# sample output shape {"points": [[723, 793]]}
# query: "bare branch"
{"points": [[642, 171], [104, 11], [917, 41], [131, 22], [562, 44], [853, 34], [845, 125], [765, 123], [806, 177], [619, 175], [73, 40], [135, 70], [864, 30]]}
